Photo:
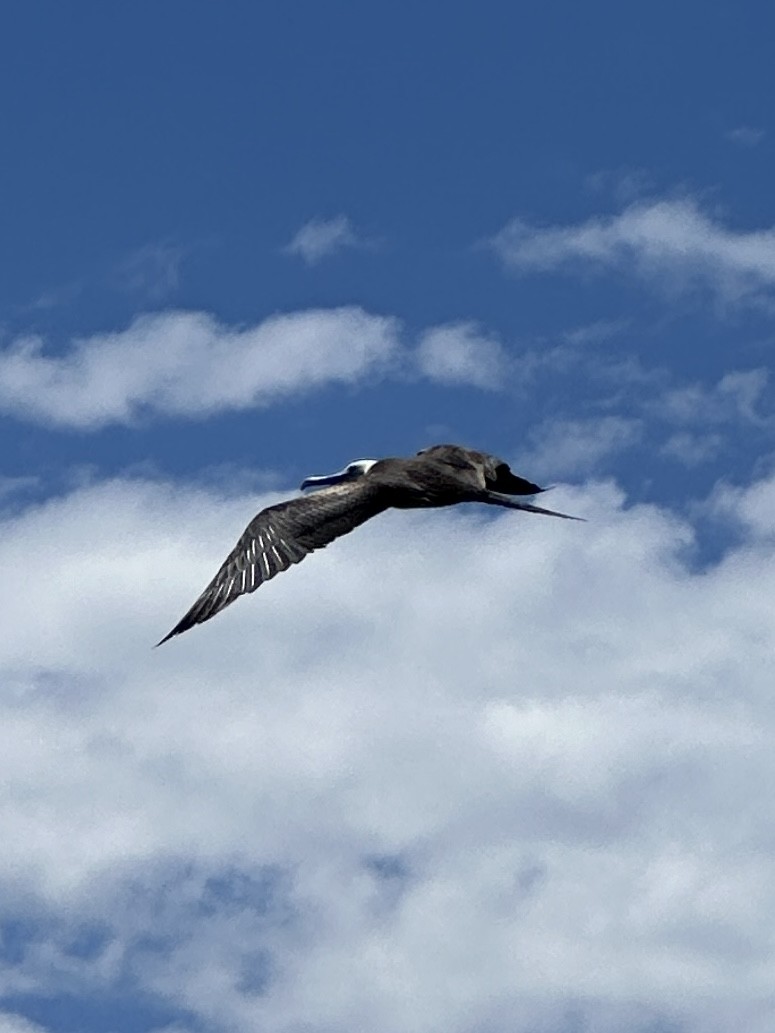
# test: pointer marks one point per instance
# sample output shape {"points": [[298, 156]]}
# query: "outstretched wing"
{"points": [[280, 536]]}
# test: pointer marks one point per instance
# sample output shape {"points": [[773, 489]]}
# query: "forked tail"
{"points": [[494, 498]]}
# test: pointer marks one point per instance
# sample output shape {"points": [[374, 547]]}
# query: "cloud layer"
{"points": [[187, 364], [455, 772], [672, 243]]}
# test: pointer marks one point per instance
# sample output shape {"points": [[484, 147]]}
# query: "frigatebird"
{"points": [[281, 535]]}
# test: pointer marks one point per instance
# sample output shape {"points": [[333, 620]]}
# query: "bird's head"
{"points": [[357, 468]]}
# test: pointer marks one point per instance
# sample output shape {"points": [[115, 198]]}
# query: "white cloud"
{"points": [[14, 1024], [464, 354], [734, 399], [454, 772], [572, 448], [624, 185], [187, 364], [10, 486], [596, 333], [55, 297], [672, 243], [747, 136], [751, 508], [460, 354], [319, 238], [152, 271], [691, 449]]}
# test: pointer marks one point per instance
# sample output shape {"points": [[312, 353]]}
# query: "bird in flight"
{"points": [[281, 535]]}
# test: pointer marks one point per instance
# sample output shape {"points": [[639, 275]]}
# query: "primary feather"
{"points": [[282, 535]]}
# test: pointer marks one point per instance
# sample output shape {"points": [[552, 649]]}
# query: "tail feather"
{"points": [[496, 499]]}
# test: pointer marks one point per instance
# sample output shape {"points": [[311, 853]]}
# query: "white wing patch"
{"points": [[279, 537]]}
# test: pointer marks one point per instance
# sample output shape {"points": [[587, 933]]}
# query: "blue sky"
{"points": [[244, 243]]}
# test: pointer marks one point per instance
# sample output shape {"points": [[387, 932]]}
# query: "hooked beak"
{"points": [[331, 478]]}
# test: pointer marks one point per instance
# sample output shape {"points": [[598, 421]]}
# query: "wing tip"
{"points": [[179, 628]]}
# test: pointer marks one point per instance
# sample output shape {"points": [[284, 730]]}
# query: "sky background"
{"points": [[461, 771]]}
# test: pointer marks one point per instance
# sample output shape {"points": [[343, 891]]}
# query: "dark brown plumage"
{"points": [[282, 535]]}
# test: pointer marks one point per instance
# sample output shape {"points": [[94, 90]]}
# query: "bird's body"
{"points": [[282, 535]]}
